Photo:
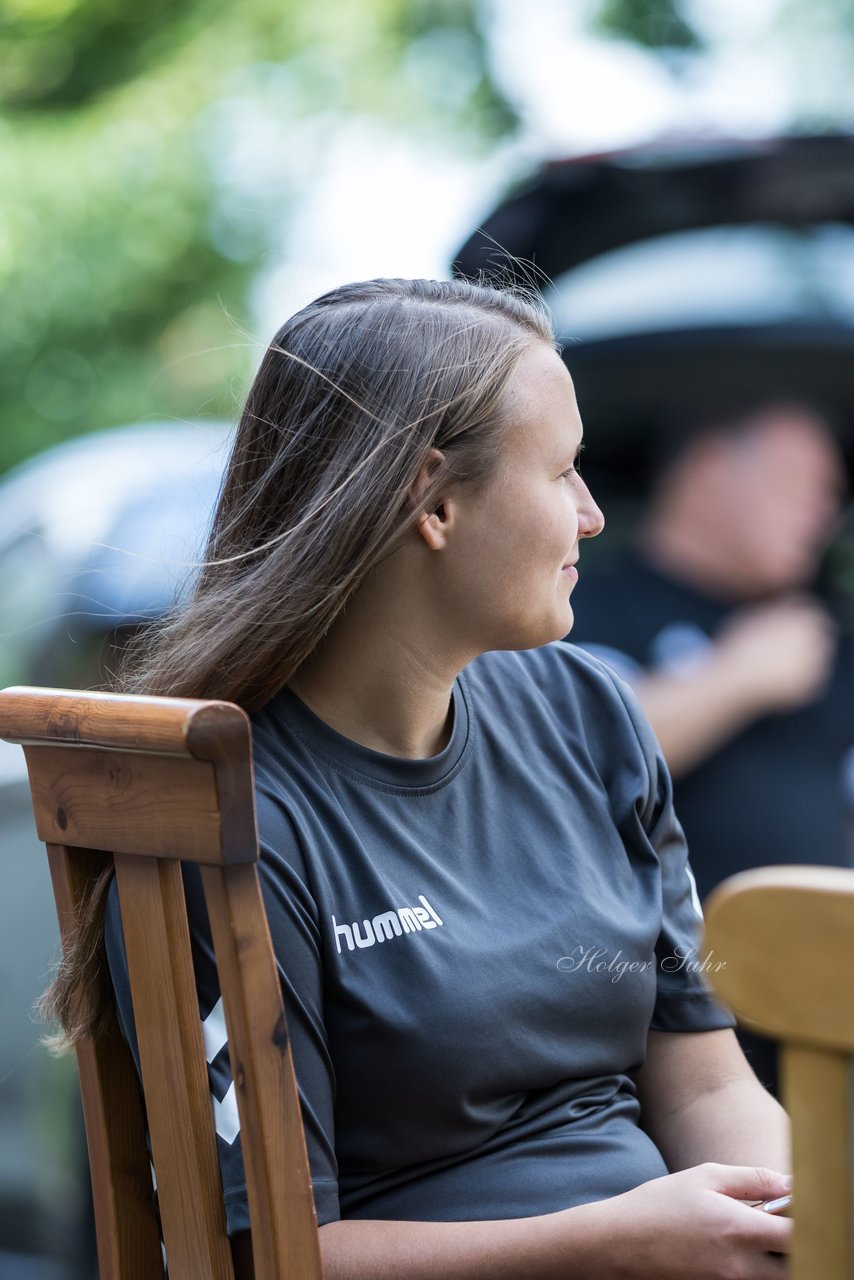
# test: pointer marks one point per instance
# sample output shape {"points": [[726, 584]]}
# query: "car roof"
{"points": [[71, 494], [104, 530], [573, 210]]}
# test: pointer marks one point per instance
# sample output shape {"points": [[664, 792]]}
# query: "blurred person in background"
{"points": [[740, 668]]}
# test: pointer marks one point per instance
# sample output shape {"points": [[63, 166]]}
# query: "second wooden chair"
{"points": [[785, 938]]}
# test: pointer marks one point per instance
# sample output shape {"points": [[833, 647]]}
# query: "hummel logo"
{"points": [[387, 925]]}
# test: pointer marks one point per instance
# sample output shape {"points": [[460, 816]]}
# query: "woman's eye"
{"points": [[574, 470]]}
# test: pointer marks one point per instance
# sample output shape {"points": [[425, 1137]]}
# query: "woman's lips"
{"points": [[570, 571]]}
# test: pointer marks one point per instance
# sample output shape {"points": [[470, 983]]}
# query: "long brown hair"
{"points": [[350, 397]]}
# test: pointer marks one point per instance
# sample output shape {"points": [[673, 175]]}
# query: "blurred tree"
{"points": [[655, 24], [61, 53], [133, 214]]}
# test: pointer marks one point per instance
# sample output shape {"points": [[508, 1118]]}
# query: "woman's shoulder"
{"points": [[561, 683], [561, 670]]}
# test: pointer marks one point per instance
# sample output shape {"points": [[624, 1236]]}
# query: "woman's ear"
{"points": [[432, 524]]}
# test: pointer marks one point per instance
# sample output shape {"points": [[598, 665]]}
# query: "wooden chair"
{"points": [[786, 938], [139, 783]]}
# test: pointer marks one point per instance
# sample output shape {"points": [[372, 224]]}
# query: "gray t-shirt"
{"points": [[474, 947]]}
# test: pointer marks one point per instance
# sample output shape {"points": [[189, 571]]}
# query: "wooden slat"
{"points": [[126, 1223], [281, 1205], [227, 742], [139, 803], [174, 1075], [817, 1096]]}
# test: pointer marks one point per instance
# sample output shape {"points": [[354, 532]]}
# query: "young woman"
{"points": [[508, 1060]]}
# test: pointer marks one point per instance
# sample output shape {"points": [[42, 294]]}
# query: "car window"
{"points": [[720, 275]]}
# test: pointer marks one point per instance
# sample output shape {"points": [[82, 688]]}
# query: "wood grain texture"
{"points": [[172, 1061], [144, 804], [281, 1204], [167, 776], [127, 1226], [817, 1096], [125, 721]]}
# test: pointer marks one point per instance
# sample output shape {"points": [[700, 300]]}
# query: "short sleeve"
{"points": [[292, 917], [627, 667], [684, 1000]]}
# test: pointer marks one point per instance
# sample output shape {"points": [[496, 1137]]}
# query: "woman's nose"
{"points": [[591, 521]]}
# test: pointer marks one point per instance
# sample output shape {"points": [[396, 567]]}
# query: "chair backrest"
{"points": [[786, 938], [141, 783]]}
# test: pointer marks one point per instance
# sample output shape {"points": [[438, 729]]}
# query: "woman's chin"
{"points": [[560, 627], [528, 629]]}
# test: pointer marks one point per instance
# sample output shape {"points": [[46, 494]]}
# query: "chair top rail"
{"points": [[809, 876], [205, 730]]}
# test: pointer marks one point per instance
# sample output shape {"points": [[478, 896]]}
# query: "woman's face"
{"points": [[516, 539]]}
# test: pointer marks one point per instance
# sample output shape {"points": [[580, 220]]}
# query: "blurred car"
{"points": [[679, 271], [97, 536]]}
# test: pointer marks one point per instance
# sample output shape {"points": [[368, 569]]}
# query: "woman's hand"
{"points": [[700, 1224]]}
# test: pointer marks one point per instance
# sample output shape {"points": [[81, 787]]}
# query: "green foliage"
{"points": [[126, 241], [61, 53], [103, 265], [655, 24]]}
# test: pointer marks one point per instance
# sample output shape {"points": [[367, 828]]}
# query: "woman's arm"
{"points": [[568, 1245], [701, 1101], [563, 1246], [694, 1223]]}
